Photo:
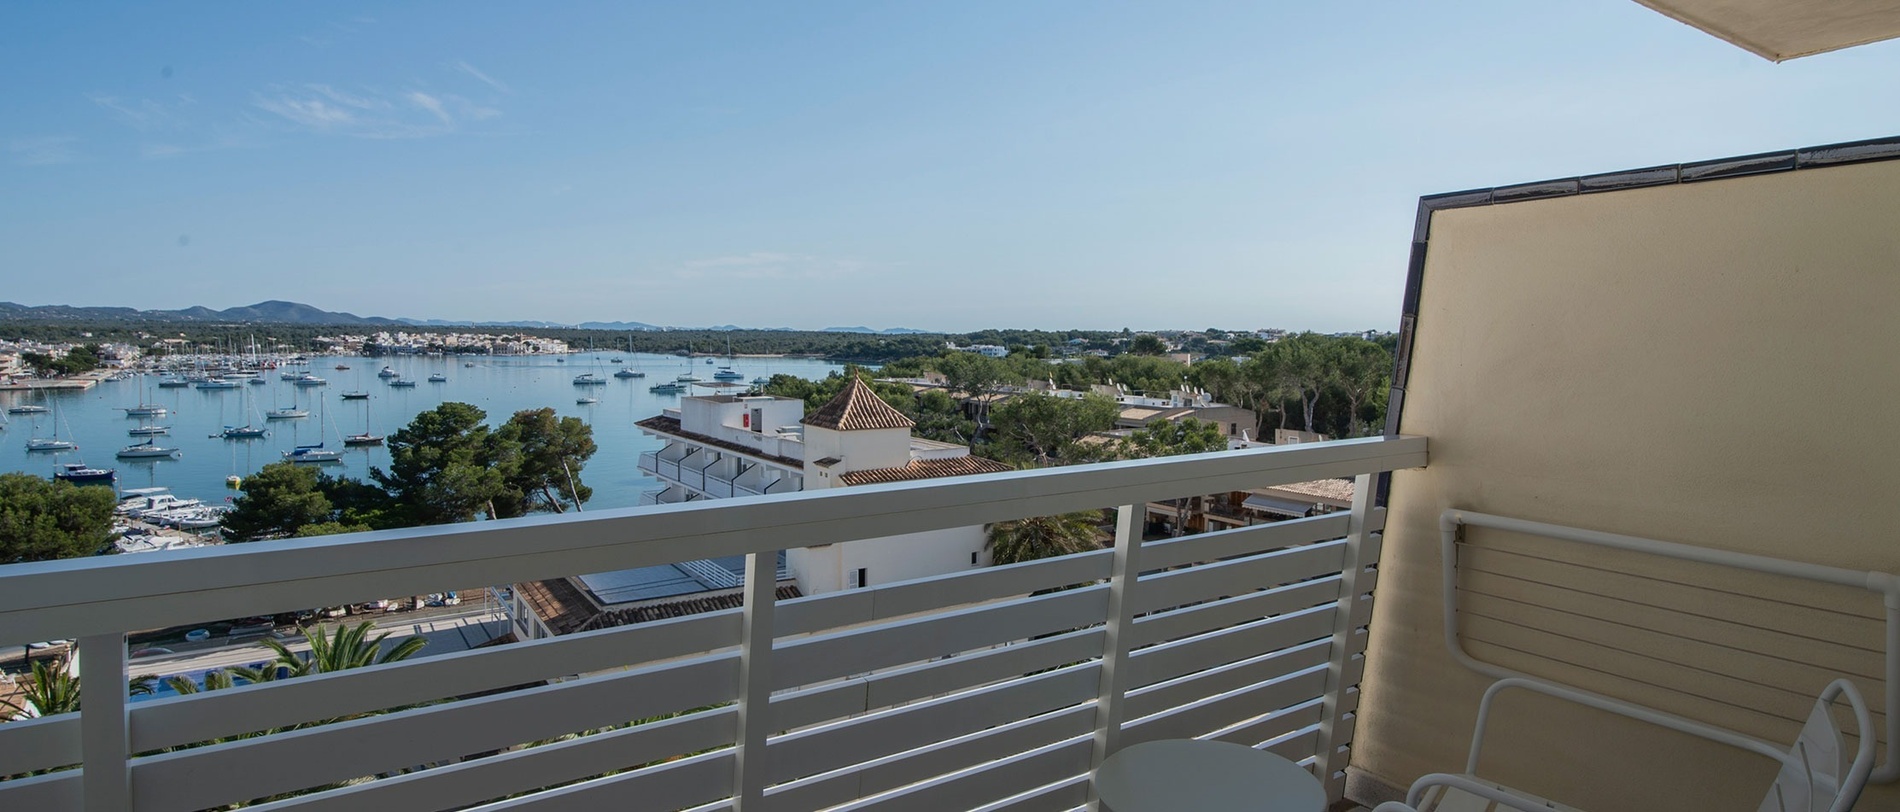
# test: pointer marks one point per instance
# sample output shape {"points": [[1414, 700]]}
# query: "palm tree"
{"points": [[344, 648], [1043, 537], [54, 690]]}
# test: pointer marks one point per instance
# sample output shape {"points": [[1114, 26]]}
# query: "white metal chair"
{"points": [[1815, 773]]}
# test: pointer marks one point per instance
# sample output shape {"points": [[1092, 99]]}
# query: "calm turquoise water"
{"points": [[500, 385]]}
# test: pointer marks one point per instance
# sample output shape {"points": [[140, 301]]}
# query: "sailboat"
{"points": [[315, 453], [53, 443], [145, 407], [150, 449], [291, 412], [365, 438]]}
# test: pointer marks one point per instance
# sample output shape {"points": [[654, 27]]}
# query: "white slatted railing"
{"points": [[996, 688]]}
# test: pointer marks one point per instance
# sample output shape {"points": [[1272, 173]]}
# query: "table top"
{"points": [[1188, 775]]}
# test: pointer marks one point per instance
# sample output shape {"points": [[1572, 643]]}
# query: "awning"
{"points": [[1785, 29], [1284, 507]]}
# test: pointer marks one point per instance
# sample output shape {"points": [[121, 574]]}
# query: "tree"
{"points": [[43, 521], [442, 467], [1042, 428], [1358, 368], [975, 375], [1303, 360], [278, 501], [939, 417], [1148, 344], [54, 689], [1039, 537], [76, 361], [541, 456], [1168, 438], [344, 648]]}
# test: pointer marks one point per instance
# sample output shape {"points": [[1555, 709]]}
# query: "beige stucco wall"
{"points": [[1713, 363]]}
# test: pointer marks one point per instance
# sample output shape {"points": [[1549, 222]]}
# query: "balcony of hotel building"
{"points": [[1589, 477]]}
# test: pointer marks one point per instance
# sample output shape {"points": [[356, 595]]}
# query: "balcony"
{"points": [[650, 462], [955, 692]]}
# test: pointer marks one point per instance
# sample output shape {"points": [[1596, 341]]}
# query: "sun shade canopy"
{"points": [[1781, 30]]}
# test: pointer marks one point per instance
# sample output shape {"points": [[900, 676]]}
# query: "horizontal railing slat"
{"points": [[38, 744], [472, 782], [1169, 660], [984, 783], [1210, 714], [898, 730], [687, 782], [76, 597], [814, 659], [311, 757], [1235, 576], [1242, 541], [1225, 612], [205, 716], [52, 792]]}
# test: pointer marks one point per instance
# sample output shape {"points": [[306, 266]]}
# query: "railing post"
{"points": [[1362, 550], [755, 682], [105, 751], [1108, 700]]}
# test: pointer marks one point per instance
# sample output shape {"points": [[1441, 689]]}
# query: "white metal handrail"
{"points": [[1887, 585], [1221, 626]]}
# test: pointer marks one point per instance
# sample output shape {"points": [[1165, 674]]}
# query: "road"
{"points": [[447, 630]]}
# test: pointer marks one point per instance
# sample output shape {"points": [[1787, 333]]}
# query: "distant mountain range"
{"points": [[272, 312], [279, 312]]}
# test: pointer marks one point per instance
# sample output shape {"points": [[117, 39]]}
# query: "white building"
{"points": [[720, 446]]}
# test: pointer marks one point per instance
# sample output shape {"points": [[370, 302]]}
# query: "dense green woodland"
{"points": [[1330, 385]]}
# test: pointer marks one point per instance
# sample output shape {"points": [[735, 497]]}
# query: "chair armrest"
{"points": [[1618, 707]]}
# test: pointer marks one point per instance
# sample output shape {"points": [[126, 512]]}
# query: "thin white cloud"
{"points": [[145, 114], [431, 104], [364, 113], [482, 77], [315, 114], [43, 150], [347, 99]]}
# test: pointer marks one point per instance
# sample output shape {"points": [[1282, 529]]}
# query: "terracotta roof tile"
{"points": [[560, 606], [925, 469], [857, 408]]}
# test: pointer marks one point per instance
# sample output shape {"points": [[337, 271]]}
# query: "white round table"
{"points": [[1188, 775]]}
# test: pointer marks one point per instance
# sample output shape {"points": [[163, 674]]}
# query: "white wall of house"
{"points": [[859, 450], [887, 560]]}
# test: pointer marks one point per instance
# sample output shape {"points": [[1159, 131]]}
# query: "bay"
{"points": [[499, 385]]}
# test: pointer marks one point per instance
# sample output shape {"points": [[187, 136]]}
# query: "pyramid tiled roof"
{"points": [[856, 408]]}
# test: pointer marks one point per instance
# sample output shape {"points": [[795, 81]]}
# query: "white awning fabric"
{"points": [[1781, 30]]}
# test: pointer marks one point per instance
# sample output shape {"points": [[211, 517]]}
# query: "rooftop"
{"points": [[858, 408], [926, 469]]}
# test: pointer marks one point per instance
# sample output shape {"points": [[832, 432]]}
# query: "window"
{"points": [[861, 578]]}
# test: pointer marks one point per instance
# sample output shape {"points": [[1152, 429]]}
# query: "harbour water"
{"points": [[499, 385]]}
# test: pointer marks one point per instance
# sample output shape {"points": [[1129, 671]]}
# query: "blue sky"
{"points": [[948, 166]]}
